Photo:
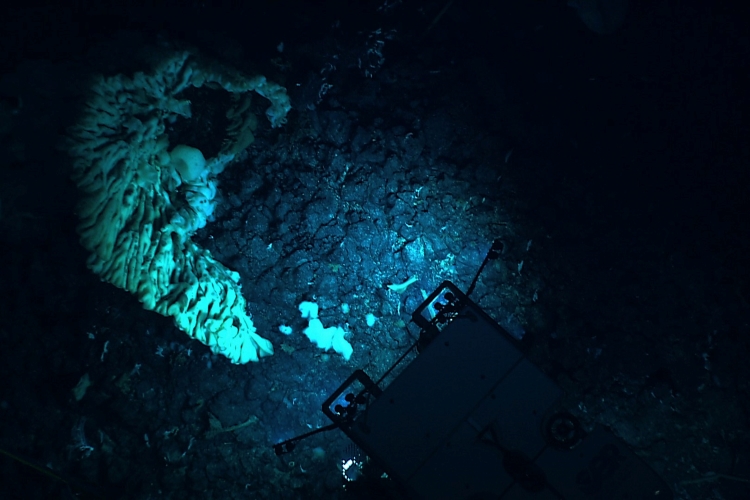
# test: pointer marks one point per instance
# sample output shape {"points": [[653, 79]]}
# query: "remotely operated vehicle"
{"points": [[470, 417]]}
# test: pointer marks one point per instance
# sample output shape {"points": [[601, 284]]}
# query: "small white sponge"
{"points": [[325, 338]]}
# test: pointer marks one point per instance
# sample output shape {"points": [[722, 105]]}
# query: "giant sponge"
{"points": [[142, 199]]}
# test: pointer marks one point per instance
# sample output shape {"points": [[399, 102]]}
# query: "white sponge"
{"points": [[325, 338]]}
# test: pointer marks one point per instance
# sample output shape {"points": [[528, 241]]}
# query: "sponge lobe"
{"points": [[188, 162]]}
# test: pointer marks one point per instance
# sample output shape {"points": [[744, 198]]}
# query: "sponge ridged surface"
{"points": [[138, 209]]}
